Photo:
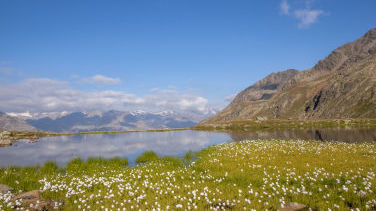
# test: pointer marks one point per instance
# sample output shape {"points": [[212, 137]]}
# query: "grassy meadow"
{"points": [[248, 175]]}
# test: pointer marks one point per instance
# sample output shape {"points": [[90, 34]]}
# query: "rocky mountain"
{"points": [[108, 121], [343, 85], [12, 123]]}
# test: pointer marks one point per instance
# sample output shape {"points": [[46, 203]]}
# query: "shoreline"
{"points": [[9, 137], [285, 124]]}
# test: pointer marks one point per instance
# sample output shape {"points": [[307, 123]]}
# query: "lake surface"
{"points": [[176, 143]]}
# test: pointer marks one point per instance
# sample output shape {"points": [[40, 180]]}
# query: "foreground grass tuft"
{"points": [[146, 157], [260, 174]]}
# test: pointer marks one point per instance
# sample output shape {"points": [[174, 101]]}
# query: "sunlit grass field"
{"points": [[259, 175]]}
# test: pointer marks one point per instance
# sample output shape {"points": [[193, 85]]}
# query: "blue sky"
{"points": [[194, 52]]}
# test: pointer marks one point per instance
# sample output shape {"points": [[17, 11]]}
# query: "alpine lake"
{"points": [[62, 149]]}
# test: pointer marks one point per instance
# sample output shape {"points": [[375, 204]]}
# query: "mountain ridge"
{"points": [[342, 85], [15, 124], [109, 121]]}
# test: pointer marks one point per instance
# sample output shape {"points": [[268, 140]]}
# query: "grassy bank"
{"points": [[262, 174], [285, 124]]}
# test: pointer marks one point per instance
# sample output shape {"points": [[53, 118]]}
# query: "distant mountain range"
{"points": [[96, 121], [343, 85], [13, 123]]}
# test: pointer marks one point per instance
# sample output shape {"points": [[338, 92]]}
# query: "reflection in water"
{"points": [[323, 134], [64, 148]]}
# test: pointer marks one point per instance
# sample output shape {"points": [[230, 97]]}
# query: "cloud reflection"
{"points": [[64, 148]]}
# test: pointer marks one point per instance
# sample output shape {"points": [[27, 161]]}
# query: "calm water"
{"points": [[64, 148]]}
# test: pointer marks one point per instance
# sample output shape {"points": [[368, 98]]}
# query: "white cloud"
{"points": [[285, 7], [102, 80], [307, 17], [171, 99], [46, 95]]}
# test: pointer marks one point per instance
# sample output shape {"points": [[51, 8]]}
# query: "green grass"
{"points": [[261, 174], [147, 156], [285, 124]]}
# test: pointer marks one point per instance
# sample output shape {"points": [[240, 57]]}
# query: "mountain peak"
{"points": [[138, 112], [12, 123], [112, 121], [342, 85], [371, 34], [349, 53]]}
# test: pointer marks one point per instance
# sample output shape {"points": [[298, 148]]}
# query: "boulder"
{"points": [[45, 205], [261, 118], [33, 138], [5, 189], [5, 134], [293, 206], [32, 200], [5, 142], [27, 198], [5, 138]]}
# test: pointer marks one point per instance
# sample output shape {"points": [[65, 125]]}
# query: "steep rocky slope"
{"points": [[343, 85], [11, 123]]}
